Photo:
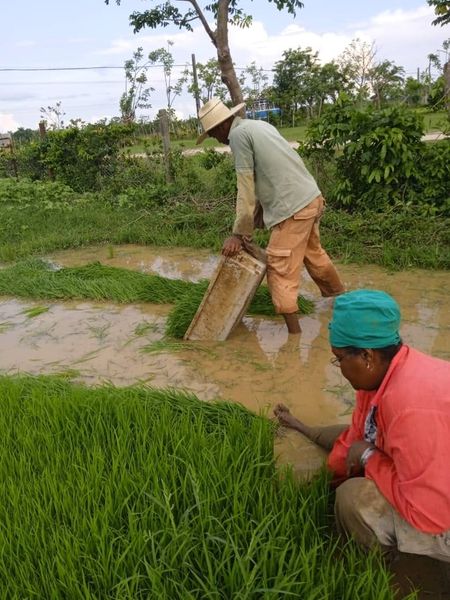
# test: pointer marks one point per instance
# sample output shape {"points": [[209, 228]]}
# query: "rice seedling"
{"points": [[5, 326], [99, 332], [35, 311], [135, 493], [33, 278], [144, 328]]}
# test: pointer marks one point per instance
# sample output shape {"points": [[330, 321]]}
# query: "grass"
{"points": [[36, 279], [31, 226], [139, 494]]}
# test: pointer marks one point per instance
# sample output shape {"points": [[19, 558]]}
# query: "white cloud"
{"points": [[8, 123], [404, 36]]}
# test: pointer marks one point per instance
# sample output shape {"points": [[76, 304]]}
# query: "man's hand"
{"points": [[353, 459], [231, 246]]}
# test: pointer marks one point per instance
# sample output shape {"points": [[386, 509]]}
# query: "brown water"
{"points": [[258, 366]]}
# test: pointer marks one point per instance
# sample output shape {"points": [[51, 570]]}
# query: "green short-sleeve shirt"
{"points": [[283, 185]]}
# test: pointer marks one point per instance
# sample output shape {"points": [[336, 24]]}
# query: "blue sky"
{"points": [[85, 33]]}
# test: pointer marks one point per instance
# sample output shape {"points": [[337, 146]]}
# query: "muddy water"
{"points": [[259, 365]]}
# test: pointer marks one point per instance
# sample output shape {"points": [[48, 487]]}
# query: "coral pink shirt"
{"points": [[411, 467]]}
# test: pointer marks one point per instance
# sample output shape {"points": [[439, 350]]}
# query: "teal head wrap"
{"points": [[365, 319]]}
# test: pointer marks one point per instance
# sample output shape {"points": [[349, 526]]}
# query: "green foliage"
{"points": [[137, 94], [441, 10], [302, 84], [432, 174], [165, 14], [78, 157], [379, 158]]}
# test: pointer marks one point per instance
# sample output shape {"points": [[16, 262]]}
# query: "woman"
{"points": [[391, 464]]}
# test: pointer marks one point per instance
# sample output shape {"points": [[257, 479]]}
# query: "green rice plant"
{"points": [[35, 278], [35, 311], [99, 332], [136, 493], [5, 326], [144, 328], [181, 315]]}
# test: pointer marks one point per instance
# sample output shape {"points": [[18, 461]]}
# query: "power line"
{"points": [[19, 69]]}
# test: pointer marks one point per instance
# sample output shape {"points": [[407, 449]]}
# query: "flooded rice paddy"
{"points": [[258, 366]]}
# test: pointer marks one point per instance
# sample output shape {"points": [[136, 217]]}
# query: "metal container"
{"points": [[229, 293]]}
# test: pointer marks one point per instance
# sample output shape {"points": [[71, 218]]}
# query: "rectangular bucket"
{"points": [[229, 293]]}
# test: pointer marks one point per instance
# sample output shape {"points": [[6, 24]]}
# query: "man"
{"points": [[272, 178], [391, 463]]}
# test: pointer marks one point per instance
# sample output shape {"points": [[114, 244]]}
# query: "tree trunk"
{"points": [[229, 77]]}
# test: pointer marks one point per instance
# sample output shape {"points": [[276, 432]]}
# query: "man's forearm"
{"points": [[245, 205]]}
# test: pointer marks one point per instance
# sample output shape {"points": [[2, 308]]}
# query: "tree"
{"points": [[209, 81], [136, 95], [295, 80], [257, 87], [302, 83], [24, 135], [413, 91], [53, 116], [385, 80], [356, 62], [441, 10], [164, 57], [224, 12]]}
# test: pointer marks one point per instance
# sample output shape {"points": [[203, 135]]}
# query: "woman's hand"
{"points": [[353, 459]]}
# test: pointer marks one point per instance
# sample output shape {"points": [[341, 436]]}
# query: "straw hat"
{"points": [[213, 113]]}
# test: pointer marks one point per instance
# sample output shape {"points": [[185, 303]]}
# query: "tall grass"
{"points": [[136, 493], [36, 279]]}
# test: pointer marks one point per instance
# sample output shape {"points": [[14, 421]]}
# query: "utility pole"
{"points": [[194, 75], [196, 91], [447, 85]]}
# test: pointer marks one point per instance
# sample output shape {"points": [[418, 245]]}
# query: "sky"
{"points": [[62, 34]]}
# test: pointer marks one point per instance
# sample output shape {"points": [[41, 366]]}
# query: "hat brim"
{"points": [[201, 138]]}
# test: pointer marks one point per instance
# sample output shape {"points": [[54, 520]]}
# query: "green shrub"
{"points": [[379, 158], [76, 156]]}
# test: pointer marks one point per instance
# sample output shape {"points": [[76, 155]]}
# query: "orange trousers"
{"points": [[293, 243]]}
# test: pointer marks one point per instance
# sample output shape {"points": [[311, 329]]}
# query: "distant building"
{"points": [[262, 110]]}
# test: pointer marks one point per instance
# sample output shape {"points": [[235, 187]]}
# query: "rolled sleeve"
{"points": [[245, 204]]}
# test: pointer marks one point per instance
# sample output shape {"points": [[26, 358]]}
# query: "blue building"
{"points": [[262, 110]]}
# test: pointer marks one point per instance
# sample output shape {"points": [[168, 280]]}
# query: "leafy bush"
{"points": [[379, 158], [26, 194], [78, 157], [433, 179]]}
